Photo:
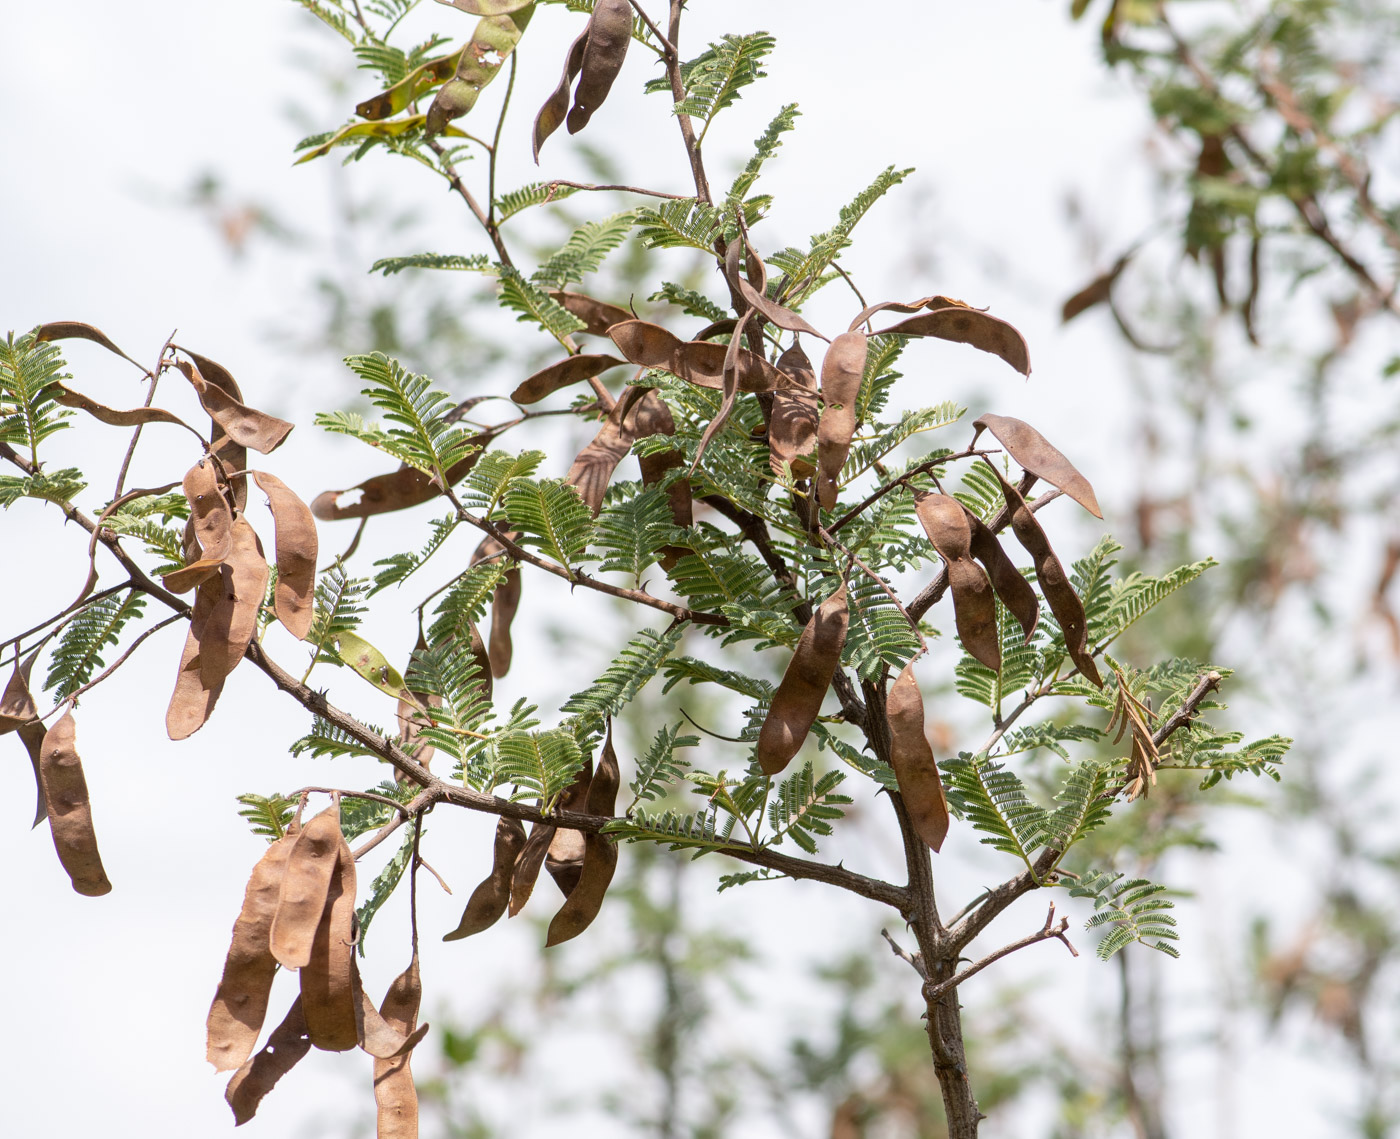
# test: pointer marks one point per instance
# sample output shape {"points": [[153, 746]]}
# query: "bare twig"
{"points": [[673, 72], [552, 183], [1051, 930], [916, 960]]}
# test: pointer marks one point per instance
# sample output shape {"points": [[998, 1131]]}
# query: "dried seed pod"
{"points": [[489, 900], [974, 605], [78, 330], [395, 1096], [220, 396], [306, 883], [900, 306], [570, 370], [592, 470], [695, 361], [557, 105], [609, 33], [792, 426], [842, 371], [379, 1038], [1013, 589], [193, 700], [1096, 292], [234, 619], [492, 42], [113, 417], [408, 89], [240, 1002], [297, 547], [210, 525], [1039, 457], [804, 684], [527, 865], [288, 1043], [19, 714], [397, 490], [327, 985], [598, 316], [966, 325], [488, 7], [70, 816], [920, 785], [773, 312], [505, 602], [599, 858], [1054, 582], [564, 859]]}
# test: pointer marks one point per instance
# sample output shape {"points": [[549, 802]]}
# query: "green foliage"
{"points": [[143, 518], [399, 567], [699, 671], [804, 807], [631, 533], [30, 372], [424, 439], [338, 610], [1084, 805], [687, 223], [450, 672], [541, 765], [492, 475], [79, 651], [880, 636], [267, 815], [639, 660], [470, 263], [1048, 735], [533, 304], [550, 517], [51, 486], [359, 816], [466, 602], [1203, 749], [676, 830], [994, 800], [714, 79], [765, 146], [327, 740], [658, 770], [688, 301], [533, 194], [1020, 665], [1135, 910], [583, 253]]}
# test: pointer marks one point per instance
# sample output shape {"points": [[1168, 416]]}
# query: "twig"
{"points": [[903, 480], [553, 182], [915, 959], [116, 664], [426, 865], [673, 72], [495, 147], [1051, 930], [388, 802], [878, 580], [666, 44], [454, 179], [136, 434]]}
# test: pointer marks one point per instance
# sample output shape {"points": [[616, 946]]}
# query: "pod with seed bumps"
{"points": [[803, 688], [920, 785], [301, 901], [599, 855], [328, 978], [843, 368], [70, 816], [490, 899], [974, 606]]}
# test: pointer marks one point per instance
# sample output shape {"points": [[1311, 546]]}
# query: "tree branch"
{"points": [[1051, 929]]}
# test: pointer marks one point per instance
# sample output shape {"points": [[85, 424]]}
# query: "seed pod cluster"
{"points": [[920, 785], [70, 816], [974, 607], [599, 860], [842, 370], [1054, 582], [595, 58], [697, 362], [803, 687], [489, 900]]}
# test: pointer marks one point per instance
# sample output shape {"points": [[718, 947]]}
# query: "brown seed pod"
{"points": [[557, 105], [920, 785], [696, 361], [379, 1038], [1096, 292], [408, 89], [598, 316], [653, 417], [842, 371], [221, 398], [210, 525], [234, 619], [966, 325], [489, 900], [609, 33], [804, 684], [70, 816], [974, 605], [792, 427], [598, 862], [527, 865], [1038, 456], [19, 714], [901, 306], [259, 1075], [570, 370], [77, 330], [1013, 589], [397, 490], [564, 860], [1054, 582], [111, 416], [297, 547], [492, 42], [193, 700], [240, 1002], [306, 882], [395, 1096], [755, 296], [505, 602], [593, 470], [327, 984]]}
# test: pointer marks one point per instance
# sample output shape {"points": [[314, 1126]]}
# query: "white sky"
{"points": [[110, 111]]}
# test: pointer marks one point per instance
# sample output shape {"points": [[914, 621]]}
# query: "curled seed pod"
{"points": [[70, 816], [557, 105], [598, 316], [773, 312], [19, 714], [240, 1002], [378, 1037], [234, 619], [896, 306], [966, 325], [210, 525], [804, 684], [77, 330], [505, 602], [792, 427], [296, 547], [193, 700], [592, 471], [306, 882], [327, 983], [842, 371], [259, 1075], [609, 33], [1013, 589], [527, 865], [220, 396], [415, 84], [571, 370], [114, 417], [397, 490], [974, 605], [920, 785], [395, 1097], [1054, 582], [489, 900], [1038, 456]]}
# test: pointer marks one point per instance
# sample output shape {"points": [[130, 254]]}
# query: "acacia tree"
{"points": [[782, 506]]}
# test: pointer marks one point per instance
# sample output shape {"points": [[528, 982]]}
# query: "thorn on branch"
{"points": [[916, 960]]}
